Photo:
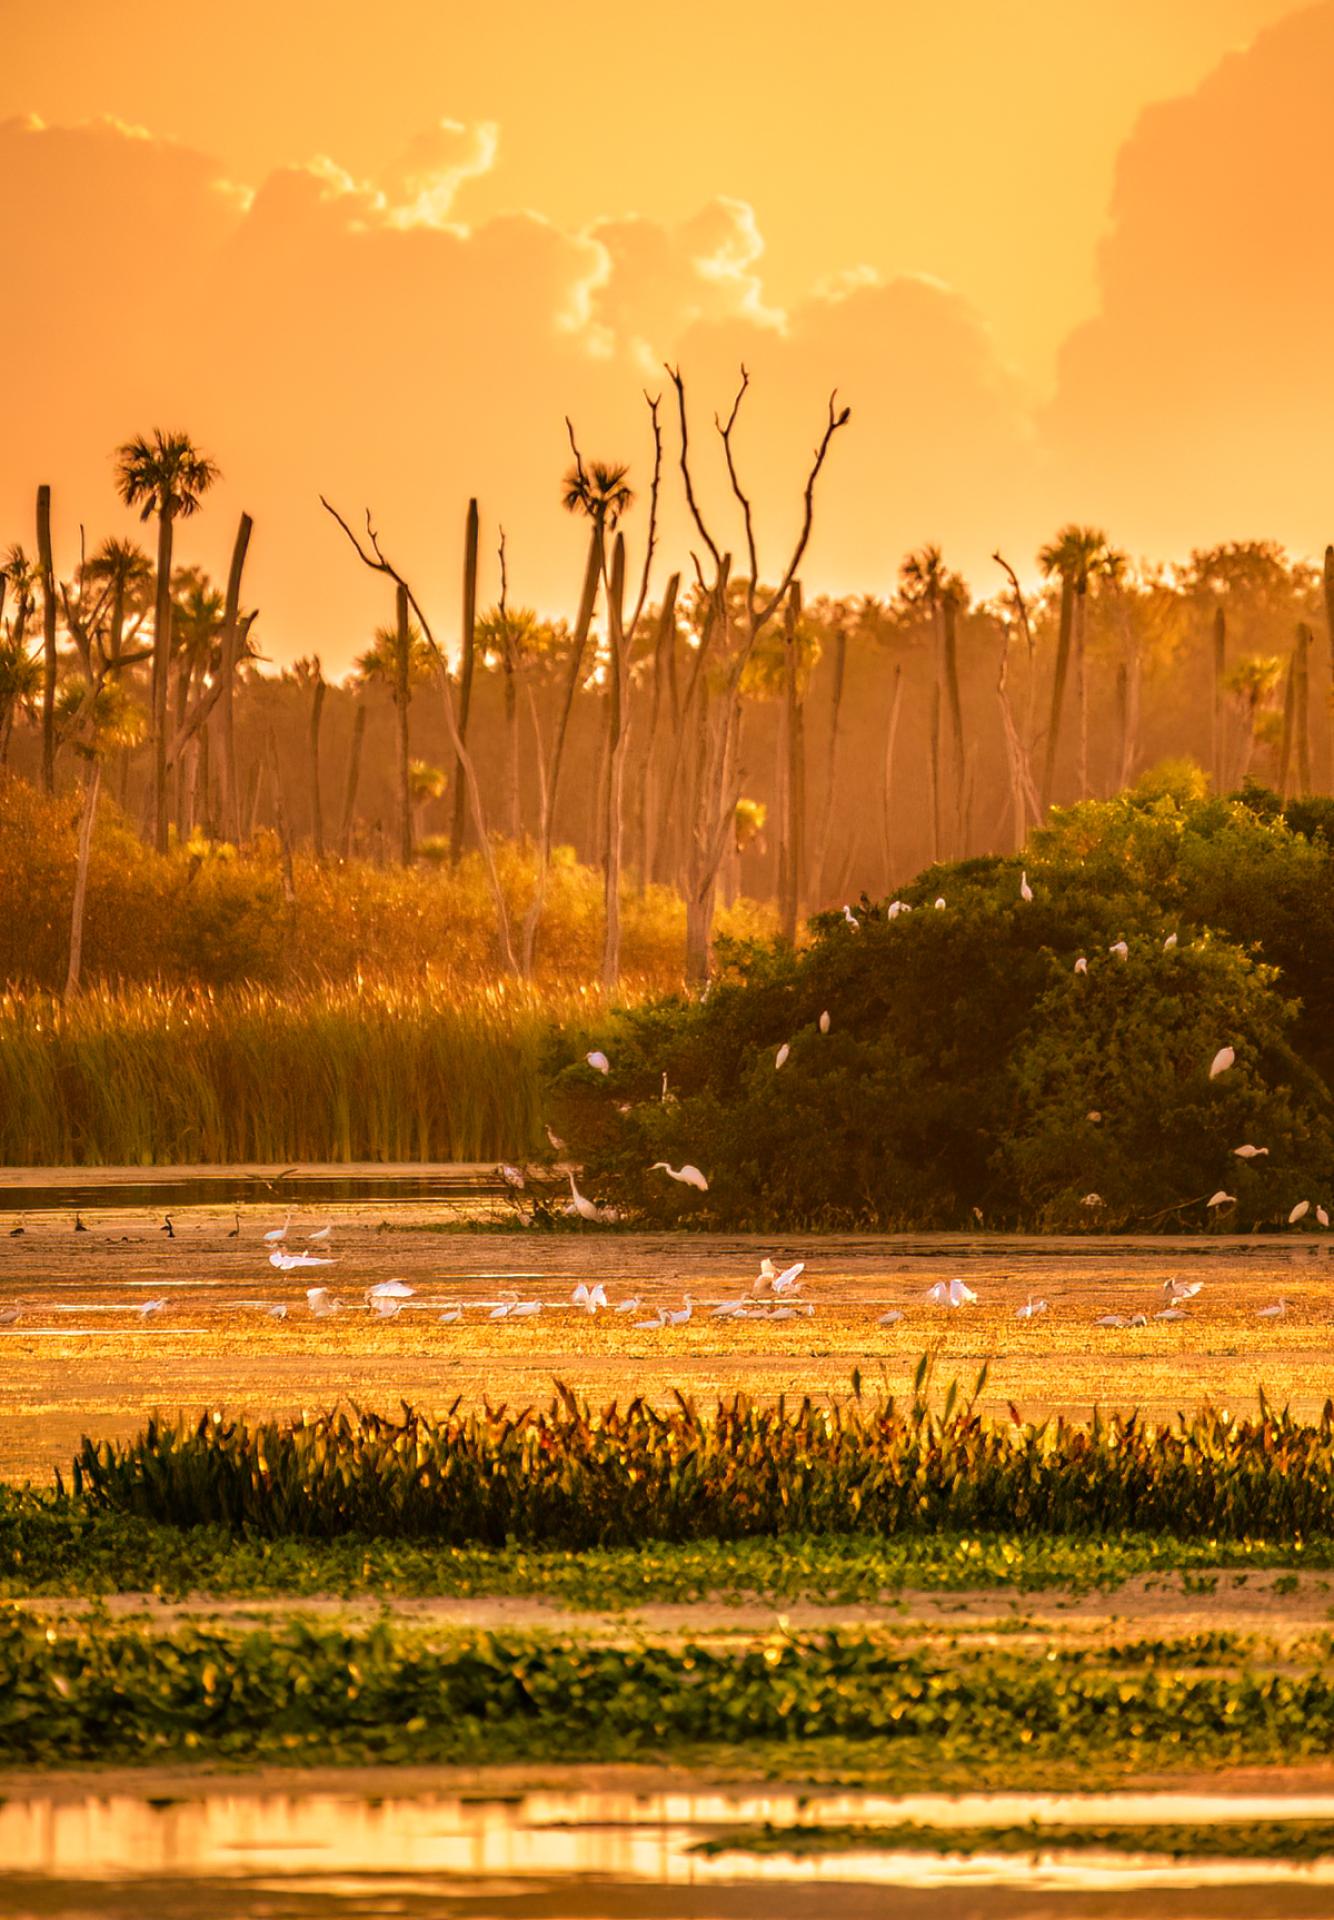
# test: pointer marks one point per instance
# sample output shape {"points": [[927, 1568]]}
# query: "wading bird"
{"points": [[390, 1290], [167, 1227], [628, 1306], [890, 1318], [1120, 949], [1025, 891], [824, 1021], [1182, 1289], [79, 1227], [1221, 1199], [320, 1233], [1299, 1212], [1221, 1061], [273, 1308], [780, 1058], [950, 1293], [275, 1234], [598, 1061], [1030, 1309], [677, 1317], [652, 1326], [1248, 1152], [688, 1175], [295, 1262], [234, 1233], [585, 1208], [322, 1303], [1275, 1312], [510, 1307], [587, 1298], [1171, 1313], [1169, 943], [12, 1314], [851, 918], [512, 1176], [1081, 965]]}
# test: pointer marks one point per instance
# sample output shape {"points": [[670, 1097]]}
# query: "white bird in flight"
{"points": [[322, 1303], [589, 1298], [1182, 1289], [780, 1058], [1248, 1152], [291, 1262], [950, 1293], [1025, 891], [598, 1061], [1221, 1061], [390, 1290], [688, 1175]]}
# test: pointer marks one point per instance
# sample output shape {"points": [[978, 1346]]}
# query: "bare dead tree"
{"points": [[794, 783], [231, 656], [47, 569], [467, 658], [648, 804], [371, 555], [714, 787], [353, 780], [820, 865], [1026, 802], [317, 693], [887, 773]]}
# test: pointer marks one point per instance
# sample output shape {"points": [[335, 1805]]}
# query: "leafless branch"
{"points": [[674, 375], [832, 425], [752, 585]]}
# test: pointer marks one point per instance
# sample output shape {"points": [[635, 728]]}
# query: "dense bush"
{"points": [[567, 1477], [966, 1058]]}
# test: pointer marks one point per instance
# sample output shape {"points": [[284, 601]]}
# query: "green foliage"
{"points": [[964, 1053], [93, 1692], [565, 1476], [1216, 1840]]}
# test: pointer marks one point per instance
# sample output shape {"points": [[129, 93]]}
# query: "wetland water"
{"points": [[238, 1851]]}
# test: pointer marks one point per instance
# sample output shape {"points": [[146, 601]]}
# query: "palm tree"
{"points": [[399, 659], [508, 637], [599, 491], [1077, 554], [165, 475], [99, 717], [925, 581], [125, 569]]}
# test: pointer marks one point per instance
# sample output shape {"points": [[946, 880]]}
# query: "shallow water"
{"points": [[257, 1854]]}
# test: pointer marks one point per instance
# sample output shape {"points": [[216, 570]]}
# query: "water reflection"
{"points": [[262, 1855]]}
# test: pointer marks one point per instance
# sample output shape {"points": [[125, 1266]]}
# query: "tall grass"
{"points": [[567, 1476], [357, 1071]]}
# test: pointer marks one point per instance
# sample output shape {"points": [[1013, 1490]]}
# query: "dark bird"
{"points": [[167, 1227], [78, 1224], [14, 1232], [234, 1233]]}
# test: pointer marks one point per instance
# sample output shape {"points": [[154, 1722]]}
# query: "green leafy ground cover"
{"points": [[1222, 1840]]}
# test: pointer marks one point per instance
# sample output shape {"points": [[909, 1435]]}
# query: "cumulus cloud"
{"points": [[320, 333], [1191, 407]]}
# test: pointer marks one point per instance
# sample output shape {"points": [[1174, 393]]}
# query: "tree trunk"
{"points": [[316, 799], [819, 867], [1218, 746], [91, 788], [353, 778], [1059, 678], [949, 630], [588, 600], [794, 825], [513, 803], [1329, 698], [231, 794], [647, 825], [1285, 745], [161, 672], [887, 775], [402, 699], [47, 567], [933, 750], [1302, 705], [1082, 688], [617, 729], [280, 819], [465, 672]]}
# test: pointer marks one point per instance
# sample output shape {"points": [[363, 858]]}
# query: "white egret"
{"points": [[677, 1317], [890, 1318], [1182, 1289], [322, 1303], [1248, 1152], [293, 1262], [824, 1021], [652, 1326], [950, 1293], [1272, 1313], [1120, 949], [512, 1176], [1081, 965], [320, 1233], [589, 1298], [450, 1315], [1025, 891], [383, 1309], [1138, 1320], [851, 919], [1093, 1201], [598, 1061], [275, 1234], [788, 1281], [628, 1306], [780, 1058], [730, 1310], [585, 1208], [390, 1290], [1221, 1061], [1221, 1199], [557, 1144], [1110, 1320], [11, 1315], [940, 904], [1169, 943], [1030, 1309], [1171, 1313], [1094, 1117], [1299, 1212], [1322, 1216], [275, 1309], [689, 1176]]}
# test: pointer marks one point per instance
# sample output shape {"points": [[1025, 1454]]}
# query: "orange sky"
{"points": [[1041, 301]]}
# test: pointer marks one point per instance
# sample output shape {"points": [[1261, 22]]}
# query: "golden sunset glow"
{"points": [[1062, 264]]}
